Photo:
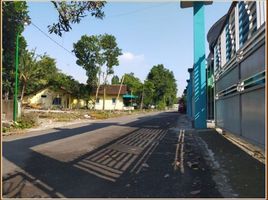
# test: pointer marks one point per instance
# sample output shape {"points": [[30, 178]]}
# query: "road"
{"points": [[152, 155]]}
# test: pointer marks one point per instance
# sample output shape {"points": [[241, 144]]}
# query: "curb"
{"points": [[253, 150]]}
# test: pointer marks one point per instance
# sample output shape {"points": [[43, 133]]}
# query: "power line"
{"points": [[44, 33], [119, 15], [139, 10]]}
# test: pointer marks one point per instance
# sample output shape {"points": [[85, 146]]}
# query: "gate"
{"points": [[240, 92]]}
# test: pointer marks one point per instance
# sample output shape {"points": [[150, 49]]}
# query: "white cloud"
{"points": [[130, 62], [130, 57]]}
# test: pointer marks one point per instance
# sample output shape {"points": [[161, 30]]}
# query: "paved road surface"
{"points": [[153, 155]]}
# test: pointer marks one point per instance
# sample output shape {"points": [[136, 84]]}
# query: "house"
{"points": [[49, 98], [112, 100]]}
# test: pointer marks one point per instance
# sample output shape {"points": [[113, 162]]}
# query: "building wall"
{"points": [[78, 103], [44, 99], [109, 105], [240, 82]]}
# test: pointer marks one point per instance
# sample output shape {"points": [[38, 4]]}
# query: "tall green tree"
{"points": [[88, 53], [164, 86], [29, 70], [15, 13], [110, 54], [149, 91], [97, 55], [36, 71], [134, 84]]}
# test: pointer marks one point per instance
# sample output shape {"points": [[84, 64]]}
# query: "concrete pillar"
{"points": [[200, 114]]}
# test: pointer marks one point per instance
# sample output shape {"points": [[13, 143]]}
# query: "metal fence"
{"points": [[240, 92]]}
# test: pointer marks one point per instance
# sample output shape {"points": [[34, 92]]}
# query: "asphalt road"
{"points": [[153, 155]]}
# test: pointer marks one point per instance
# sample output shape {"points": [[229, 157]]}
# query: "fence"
{"points": [[240, 91], [7, 109]]}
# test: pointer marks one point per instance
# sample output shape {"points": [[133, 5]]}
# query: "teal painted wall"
{"points": [[199, 81]]}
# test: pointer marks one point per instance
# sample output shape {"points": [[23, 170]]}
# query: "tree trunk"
{"points": [[142, 94], [97, 92], [122, 81], [104, 91], [6, 94], [22, 91]]}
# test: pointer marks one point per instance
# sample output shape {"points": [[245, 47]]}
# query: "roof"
{"points": [[217, 28], [215, 31], [130, 96], [188, 4], [51, 87], [113, 89]]}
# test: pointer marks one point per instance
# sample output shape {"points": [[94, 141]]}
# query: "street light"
{"points": [[15, 106]]}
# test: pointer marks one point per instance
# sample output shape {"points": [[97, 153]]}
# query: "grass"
{"points": [[26, 121], [30, 120]]}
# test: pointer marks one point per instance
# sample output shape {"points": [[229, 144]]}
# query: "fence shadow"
{"points": [[89, 174]]}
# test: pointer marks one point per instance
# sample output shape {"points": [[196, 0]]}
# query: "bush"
{"points": [[161, 105], [26, 121]]}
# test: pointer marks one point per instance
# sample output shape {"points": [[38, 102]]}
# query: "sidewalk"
{"points": [[236, 173]]}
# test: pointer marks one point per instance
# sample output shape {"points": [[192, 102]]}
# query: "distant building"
{"points": [[111, 100], [49, 98]]}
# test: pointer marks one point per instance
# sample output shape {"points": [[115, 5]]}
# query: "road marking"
{"points": [[179, 154], [182, 153]]}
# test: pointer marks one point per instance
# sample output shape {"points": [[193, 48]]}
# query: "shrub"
{"points": [[26, 121]]}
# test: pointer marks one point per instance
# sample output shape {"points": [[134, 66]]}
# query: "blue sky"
{"points": [[148, 34]]}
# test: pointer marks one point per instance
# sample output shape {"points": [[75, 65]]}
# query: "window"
{"points": [[98, 100], [56, 101], [217, 55], [230, 36], [113, 100], [247, 20], [43, 96]]}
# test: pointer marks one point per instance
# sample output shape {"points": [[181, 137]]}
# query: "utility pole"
{"points": [[15, 96]]}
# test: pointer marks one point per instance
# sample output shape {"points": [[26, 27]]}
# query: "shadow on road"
{"points": [[93, 174]]}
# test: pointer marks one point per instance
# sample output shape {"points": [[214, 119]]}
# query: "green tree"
{"points": [[88, 53], [164, 86], [149, 91], [134, 84], [72, 12], [15, 13], [29, 70], [110, 54], [97, 55], [115, 80], [36, 71]]}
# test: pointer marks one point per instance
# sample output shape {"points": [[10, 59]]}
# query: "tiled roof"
{"points": [[113, 89]]}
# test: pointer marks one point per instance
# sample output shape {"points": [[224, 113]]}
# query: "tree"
{"points": [[149, 91], [110, 54], [72, 13], [29, 70], [36, 71], [133, 83], [115, 80], [97, 55], [88, 53], [164, 86], [15, 13]]}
